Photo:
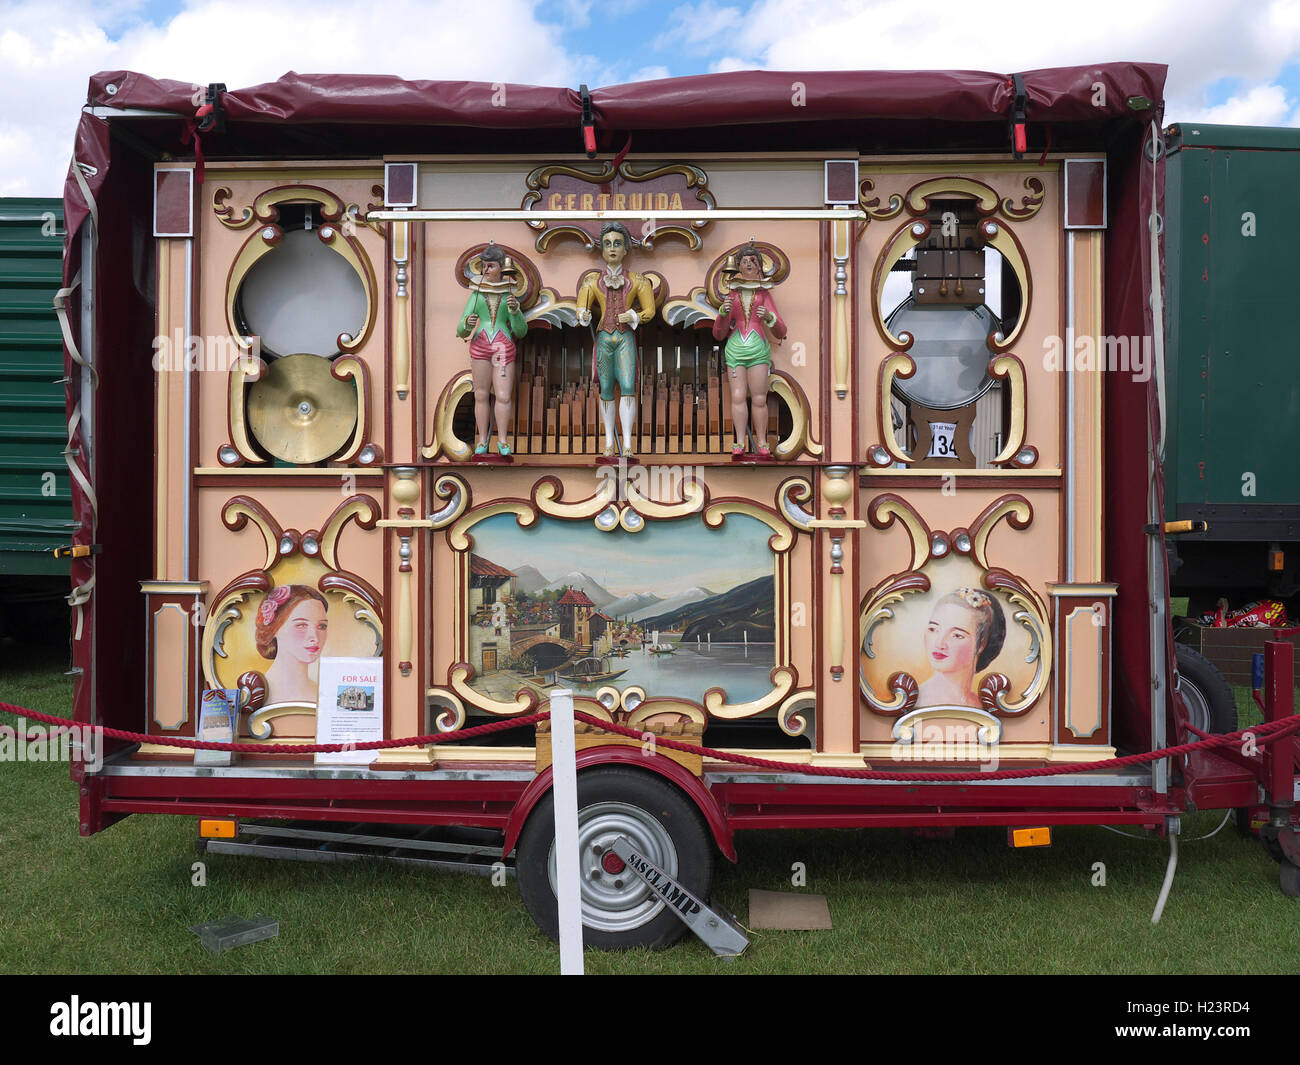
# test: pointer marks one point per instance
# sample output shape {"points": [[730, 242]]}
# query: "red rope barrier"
{"points": [[293, 748], [1261, 735]]}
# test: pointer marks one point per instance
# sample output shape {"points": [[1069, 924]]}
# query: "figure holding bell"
{"points": [[493, 321], [748, 321]]}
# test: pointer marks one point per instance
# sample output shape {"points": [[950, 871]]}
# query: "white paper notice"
{"points": [[350, 707]]}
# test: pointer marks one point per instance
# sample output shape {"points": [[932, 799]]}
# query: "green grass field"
{"points": [[122, 901]]}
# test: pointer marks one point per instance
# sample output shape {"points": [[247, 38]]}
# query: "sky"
{"points": [[1229, 62]]}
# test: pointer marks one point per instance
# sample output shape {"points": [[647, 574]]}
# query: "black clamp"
{"points": [[1016, 124], [588, 123], [212, 116]]}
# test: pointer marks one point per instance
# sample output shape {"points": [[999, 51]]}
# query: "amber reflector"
{"points": [[217, 829], [1031, 837]]}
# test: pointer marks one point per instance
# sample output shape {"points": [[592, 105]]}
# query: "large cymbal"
{"points": [[299, 412]]}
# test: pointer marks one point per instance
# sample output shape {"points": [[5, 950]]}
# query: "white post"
{"points": [[568, 878]]}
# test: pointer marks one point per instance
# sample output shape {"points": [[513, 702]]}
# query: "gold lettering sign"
{"points": [[672, 187]]}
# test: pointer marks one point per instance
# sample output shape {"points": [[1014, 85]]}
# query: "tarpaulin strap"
{"points": [[80, 595], [86, 194], [618, 159], [1261, 735], [1157, 296], [191, 132], [1016, 121], [588, 122]]}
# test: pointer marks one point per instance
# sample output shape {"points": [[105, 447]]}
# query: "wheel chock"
{"points": [[719, 932]]}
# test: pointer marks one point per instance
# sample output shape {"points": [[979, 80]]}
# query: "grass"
{"points": [[122, 901]]}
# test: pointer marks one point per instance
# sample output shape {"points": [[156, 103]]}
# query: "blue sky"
{"points": [[1228, 63]]}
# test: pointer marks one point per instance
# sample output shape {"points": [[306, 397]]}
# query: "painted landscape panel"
{"points": [[676, 608]]}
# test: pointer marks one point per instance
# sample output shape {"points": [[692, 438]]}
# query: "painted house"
{"points": [[491, 589], [576, 610]]}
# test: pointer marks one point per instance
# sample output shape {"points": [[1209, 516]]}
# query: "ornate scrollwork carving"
{"points": [[932, 547], [783, 680], [287, 548], [795, 399], [459, 676], [1029, 203], [790, 493], [456, 493], [452, 716], [445, 440], [892, 208]]}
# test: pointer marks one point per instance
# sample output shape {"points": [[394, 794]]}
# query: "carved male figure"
{"points": [[623, 301]]}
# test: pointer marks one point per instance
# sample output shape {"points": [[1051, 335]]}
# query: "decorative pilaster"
{"points": [[401, 323], [840, 308], [836, 491], [405, 494]]}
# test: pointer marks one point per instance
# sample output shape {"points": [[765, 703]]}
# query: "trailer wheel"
{"points": [[1210, 704], [1289, 879], [619, 911]]}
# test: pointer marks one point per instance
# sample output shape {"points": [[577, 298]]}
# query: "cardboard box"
{"points": [[1231, 649]]}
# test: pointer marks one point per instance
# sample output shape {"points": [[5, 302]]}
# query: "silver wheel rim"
{"points": [[1198, 707], [618, 902]]}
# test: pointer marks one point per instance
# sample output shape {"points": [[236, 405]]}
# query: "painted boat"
{"points": [[591, 670]]}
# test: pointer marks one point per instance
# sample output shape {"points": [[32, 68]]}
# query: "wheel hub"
{"points": [[1198, 707], [614, 899]]}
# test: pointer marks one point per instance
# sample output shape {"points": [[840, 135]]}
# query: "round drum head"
{"points": [[950, 350], [301, 295], [299, 412]]}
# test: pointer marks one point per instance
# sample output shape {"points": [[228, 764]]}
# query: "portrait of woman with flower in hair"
{"points": [[290, 632], [965, 633]]}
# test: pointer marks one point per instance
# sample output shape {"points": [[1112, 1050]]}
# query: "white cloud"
{"points": [[1263, 105], [49, 49], [1202, 41], [577, 13], [649, 74], [729, 63], [697, 29], [48, 52]]}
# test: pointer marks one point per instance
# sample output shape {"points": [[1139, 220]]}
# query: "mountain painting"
{"points": [[676, 608]]}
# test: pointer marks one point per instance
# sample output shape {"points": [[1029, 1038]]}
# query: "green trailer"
{"points": [[1233, 358], [35, 507]]}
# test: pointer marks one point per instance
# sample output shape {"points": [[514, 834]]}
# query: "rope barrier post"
{"points": [[1279, 704], [568, 877]]}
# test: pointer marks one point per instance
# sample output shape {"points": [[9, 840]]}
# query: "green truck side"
{"points": [[1233, 443], [35, 507]]}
